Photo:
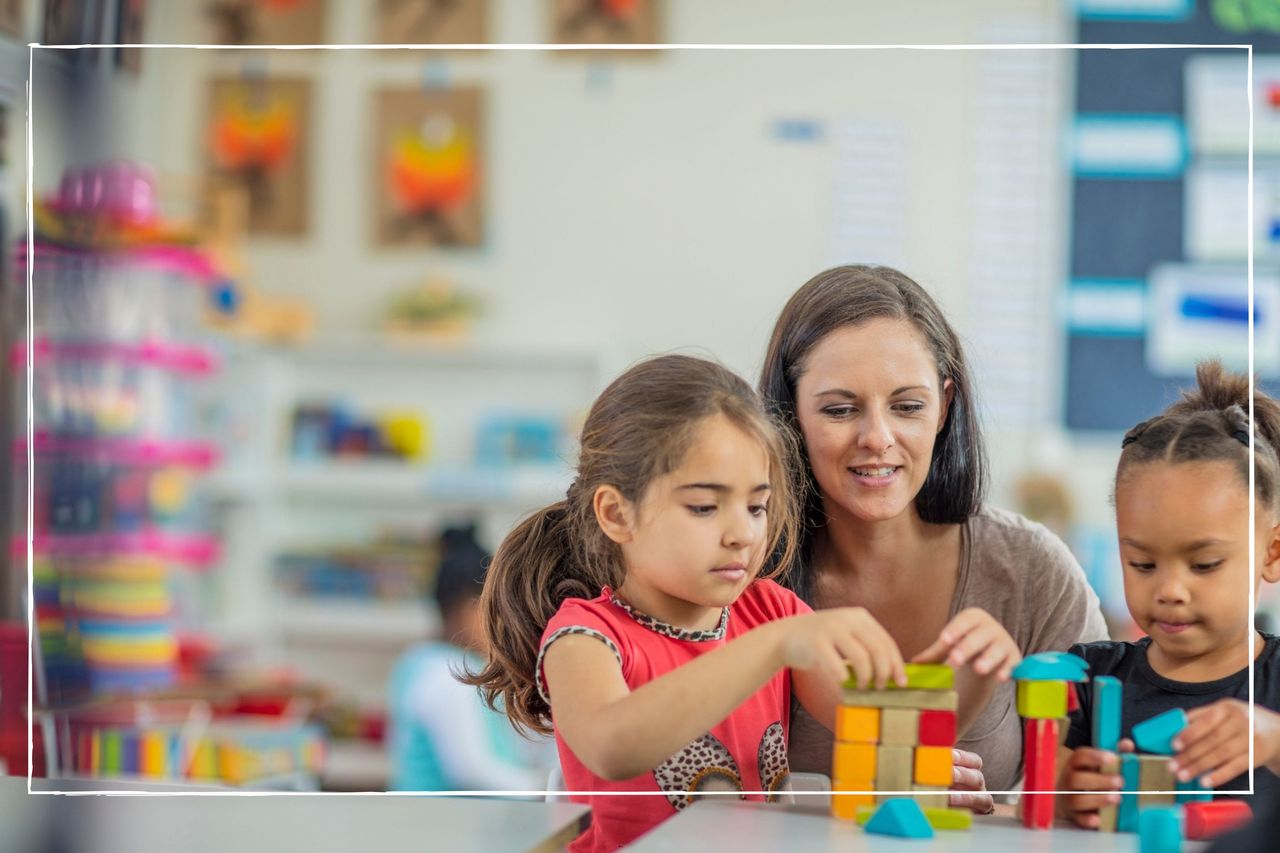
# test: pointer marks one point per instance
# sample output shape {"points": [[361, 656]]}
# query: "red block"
{"points": [[937, 728], [1040, 758], [1073, 700], [1208, 819]]}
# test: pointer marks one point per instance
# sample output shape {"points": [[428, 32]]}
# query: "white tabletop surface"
{"points": [[727, 824]]}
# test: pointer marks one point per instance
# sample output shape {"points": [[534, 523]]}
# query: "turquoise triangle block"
{"points": [[901, 818]]}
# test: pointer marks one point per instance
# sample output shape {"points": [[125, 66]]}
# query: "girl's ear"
{"points": [[614, 514], [948, 394], [1271, 559]]}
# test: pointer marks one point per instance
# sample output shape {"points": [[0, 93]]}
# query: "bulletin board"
{"points": [[1153, 280]]}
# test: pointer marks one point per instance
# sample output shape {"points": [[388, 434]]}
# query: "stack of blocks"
{"points": [[896, 739], [1045, 696]]}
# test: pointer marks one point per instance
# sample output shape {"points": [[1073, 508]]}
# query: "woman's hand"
{"points": [[974, 636], [839, 640], [966, 776], [1214, 747]]}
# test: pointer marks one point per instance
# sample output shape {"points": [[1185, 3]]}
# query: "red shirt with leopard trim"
{"points": [[746, 751]]}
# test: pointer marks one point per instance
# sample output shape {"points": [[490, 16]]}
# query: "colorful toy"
{"points": [[1160, 830], [1207, 820], [1044, 696], [896, 739], [901, 818], [1157, 734]]}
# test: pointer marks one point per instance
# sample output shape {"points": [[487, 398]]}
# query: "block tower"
{"points": [[896, 739], [1046, 693]]}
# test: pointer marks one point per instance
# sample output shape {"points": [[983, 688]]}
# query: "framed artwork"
{"points": [[257, 137], [428, 167], [432, 22], [267, 21], [605, 22]]}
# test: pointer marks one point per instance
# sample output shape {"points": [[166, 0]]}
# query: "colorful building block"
{"points": [[857, 725], [1157, 734], [937, 728], [928, 676], [1108, 693], [1193, 792], [919, 699], [931, 796], [1159, 830], [1051, 666], [1107, 814], [855, 763], [899, 727], [1040, 758], [847, 806], [1042, 700], [933, 766], [1073, 698], [947, 818], [1127, 811], [1154, 775], [1208, 820], [902, 818], [894, 768]]}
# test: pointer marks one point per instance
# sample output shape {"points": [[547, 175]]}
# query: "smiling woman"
{"points": [[872, 380]]}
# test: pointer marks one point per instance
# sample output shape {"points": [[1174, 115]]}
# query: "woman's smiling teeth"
{"points": [[875, 472]]}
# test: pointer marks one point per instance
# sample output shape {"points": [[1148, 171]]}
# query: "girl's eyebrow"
{"points": [[846, 393], [1190, 546], [721, 487]]}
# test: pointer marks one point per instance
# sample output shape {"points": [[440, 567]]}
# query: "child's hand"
{"points": [[1214, 747], [1082, 771], [841, 638], [974, 635]]}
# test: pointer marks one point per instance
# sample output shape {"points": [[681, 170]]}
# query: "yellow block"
{"points": [[933, 766], [857, 725], [847, 806], [1042, 700], [949, 818], [929, 676], [854, 763], [155, 755]]}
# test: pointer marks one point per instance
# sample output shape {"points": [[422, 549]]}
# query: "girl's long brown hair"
{"points": [[637, 430]]}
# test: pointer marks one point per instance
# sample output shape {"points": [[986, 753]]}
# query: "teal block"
{"points": [[1051, 666], [1156, 734], [1107, 695], [1160, 830], [1127, 811], [1195, 792], [901, 818]]}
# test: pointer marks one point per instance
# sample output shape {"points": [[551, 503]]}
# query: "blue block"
{"points": [[1195, 792], [1051, 666], [1127, 811], [901, 818], [1160, 830], [1107, 695], [1156, 734]]}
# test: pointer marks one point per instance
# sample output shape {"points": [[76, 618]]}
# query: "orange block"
{"points": [[933, 766], [854, 764], [845, 806], [855, 724]]}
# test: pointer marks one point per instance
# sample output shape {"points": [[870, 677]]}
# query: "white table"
{"points": [[277, 823], [729, 824]]}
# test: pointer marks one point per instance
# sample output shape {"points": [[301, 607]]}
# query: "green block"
{"points": [[920, 676], [949, 818], [1042, 700]]}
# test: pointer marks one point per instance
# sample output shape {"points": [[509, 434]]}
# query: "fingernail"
{"points": [[1184, 776], [1206, 780], [1177, 744], [1113, 798]]}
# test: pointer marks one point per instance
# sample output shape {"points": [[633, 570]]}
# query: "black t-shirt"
{"points": [[1147, 693]]}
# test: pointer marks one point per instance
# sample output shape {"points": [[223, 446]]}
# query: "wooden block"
{"points": [[948, 818], [1108, 693], [931, 796], [1206, 820], [846, 806], [937, 728], [855, 763], [1073, 698], [1042, 700], [1039, 755], [856, 724], [1154, 775], [929, 676], [893, 768], [899, 726], [933, 766], [944, 700], [1107, 814], [1127, 811]]}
